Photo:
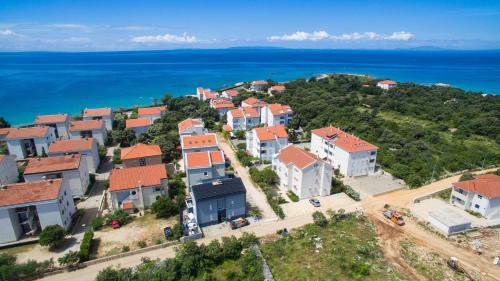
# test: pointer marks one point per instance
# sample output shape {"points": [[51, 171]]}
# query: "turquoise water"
{"points": [[43, 83]]}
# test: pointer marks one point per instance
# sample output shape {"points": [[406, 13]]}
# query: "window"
{"points": [[67, 203], [157, 189], [142, 161], [205, 174], [372, 160], [477, 206], [60, 200], [133, 192], [65, 192], [479, 196], [373, 153]]}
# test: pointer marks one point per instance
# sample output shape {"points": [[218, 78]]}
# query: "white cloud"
{"points": [[68, 26], [355, 36], [301, 36], [77, 40], [166, 38], [7, 32]]}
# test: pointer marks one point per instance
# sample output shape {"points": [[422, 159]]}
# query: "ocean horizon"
{"points": [[33, 83]]}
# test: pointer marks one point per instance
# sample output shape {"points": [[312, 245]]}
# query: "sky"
{"points": [[112, 25]]}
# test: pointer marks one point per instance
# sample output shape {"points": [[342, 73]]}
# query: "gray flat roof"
{"points": [[450, 217]]}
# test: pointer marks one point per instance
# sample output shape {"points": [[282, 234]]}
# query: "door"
{"points": [[221, 215]]}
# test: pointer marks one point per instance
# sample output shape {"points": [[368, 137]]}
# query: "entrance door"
{"points": [[221, 215]]}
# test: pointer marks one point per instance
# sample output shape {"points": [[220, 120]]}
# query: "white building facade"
{"points": [[86, 147], [60, 123], [29, 142], [8, 169], [191, 127], [104, 114], [89, 129], [202, 167], [265, 142], [243, 118], [276, 114], [481, 195]]}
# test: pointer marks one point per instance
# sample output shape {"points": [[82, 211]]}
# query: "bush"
{"points": [[117, 156], [262, 179], [241, 146], [319, 219], [164, 207], [97, 222], [86, 246], [12, 271], [70, 259], [119, 215], [141, 244], [292, 196], [52, 235], [352, 193], [102, 152], [466, 176], [125, 249], [240, 134], [177, 232]]}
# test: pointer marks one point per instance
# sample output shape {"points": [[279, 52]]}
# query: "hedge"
{"points": [[85, 246]]}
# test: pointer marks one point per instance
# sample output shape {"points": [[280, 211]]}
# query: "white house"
{"points": [[243, 118], [190, 127], [222, 105], [60, 123], [230, 94], [71, 168], [138, 126], [153, 113], [481, 195], [104, 114], [86, 147], [137, 188], [29, 142], [89, 129], [205, 94], [258, 85], [276, 89], [204, 166], [206, 142], [254, 103], [276, 114], [351, 155], [31, 206], [8, 169], [386, 84], [141, 155], [265, 142], [302, 172]]}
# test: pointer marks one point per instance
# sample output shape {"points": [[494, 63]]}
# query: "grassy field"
{"points": [[349, 252]]}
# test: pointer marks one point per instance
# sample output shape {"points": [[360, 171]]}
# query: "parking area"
{"points": [[334, 202], [373, 185]]}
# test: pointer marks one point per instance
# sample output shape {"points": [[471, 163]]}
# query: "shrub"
{"points": [[97, 222], [466, 176], [52, 235], [352, 193], [12, 271], [117, 156], [177, 232], [248, 239], [141, 244], [292, 196], [240, 134], [164, 207], [241, 146], [85, 246], [102, 152], [110, 273], [125, 249], [119, 215], [70, 259], [319, 219]]}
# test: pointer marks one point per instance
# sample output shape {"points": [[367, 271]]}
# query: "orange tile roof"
{"points": [[31, 132], [5, 131], [2, 157], [486, 185], [151, 110], [278, 88], [204, 159], [271, 133], [96, 112], [82, 144], [222, 103], [140, 150], [198, 141], [139, 122], [388, 82], [130, 178], [53, 164], [85, 125], [297, 156], [232, 93], [246, 111], [278, 109], [344, 140], [27, 192], [254, 102], [259, 82], [52, 118], [210, 95], [189, 123], [227, 128]]}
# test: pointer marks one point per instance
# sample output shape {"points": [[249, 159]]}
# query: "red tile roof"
{"points": [[232, 93], [140, 150], [130, 178], [5, 131], [278, 88], [487, 185], [82, 144], [210, 95], [198, 141], [227, 128], [53, 164], [297, 156], [27, 192], [259, 82], [388, 82], [156, 110], [139, 122], [85, 125], [222, 103], [50, 119], [204, 159], [31, 132], [96, 112], [189, 123], [278, 109], [271, 133], [254, 102], [246, 111], [343, 140]]}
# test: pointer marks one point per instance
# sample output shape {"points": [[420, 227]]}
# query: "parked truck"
{"points": [[394, 216]]}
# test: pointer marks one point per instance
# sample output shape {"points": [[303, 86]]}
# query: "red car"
{"points": [[115, 224]]}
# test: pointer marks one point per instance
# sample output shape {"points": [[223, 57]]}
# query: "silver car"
{"points": [[315, 202]]}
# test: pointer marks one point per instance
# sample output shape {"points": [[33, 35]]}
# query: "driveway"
{"points": [[254, 194], [334, 202], [372, 185]]}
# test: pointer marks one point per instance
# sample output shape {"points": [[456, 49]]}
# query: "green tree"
{"points": [[4, 123], [319, 219], [52, 235], [164, 207]]}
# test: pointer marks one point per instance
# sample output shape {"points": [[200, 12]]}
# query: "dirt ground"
{"points": [[146, 228]]}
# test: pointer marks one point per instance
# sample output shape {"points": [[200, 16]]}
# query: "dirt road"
{"points": [[391, 234]]}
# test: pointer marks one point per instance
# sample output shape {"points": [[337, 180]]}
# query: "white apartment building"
{"points": [[481, 195], [60, 123], [254, 103], [104, 114], [206, 142], [276, 114], [205, 166], [139, 126], [8, 169], [205, 94], [351, 155], [302, 172], [29, 142], [243, 118], [152, 113], [191, 127], [230, 94], [258, 85], [95, 129], [265, 142], [276, 89], [386, 84], [86, 147], [71, 168], [222, 105]]}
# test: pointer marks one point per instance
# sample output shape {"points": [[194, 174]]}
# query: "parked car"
{"points": [[238, 223], [315, 202], [115, 224]]}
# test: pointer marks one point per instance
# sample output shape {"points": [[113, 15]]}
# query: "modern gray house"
{"points": [[218, 201]]}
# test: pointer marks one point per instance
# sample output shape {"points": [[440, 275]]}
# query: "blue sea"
{"points": [[44, 83]]}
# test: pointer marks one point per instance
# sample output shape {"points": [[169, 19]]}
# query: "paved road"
{"points": [[254, 194]]}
